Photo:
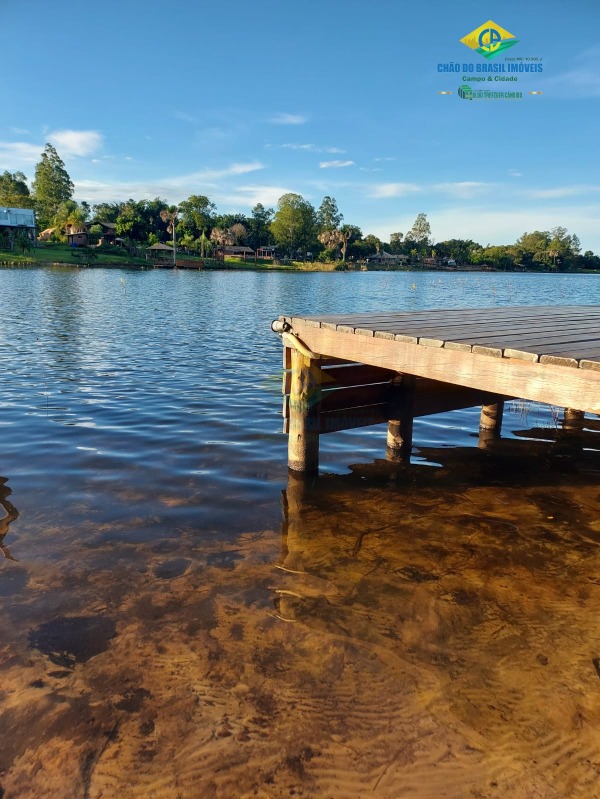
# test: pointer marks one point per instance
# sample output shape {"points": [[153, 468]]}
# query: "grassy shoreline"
{"points": [[64, 256]]}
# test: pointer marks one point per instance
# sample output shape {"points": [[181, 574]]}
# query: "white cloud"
{"points": [[311, 148], [583, 80], [75, 142], [335, 164], [464, 189], [381, 190], [14, 155], [561, 191], [384, 159], [288, 119], [515, 173], [19, 131], [248, 196], [185, 117], [173, 188]]}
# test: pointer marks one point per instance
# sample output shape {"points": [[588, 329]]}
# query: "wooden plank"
{"points": [[486, 317], [554, 385], [335, 421], [512, 312], [355, 397], [354, 375], [483, 324]]}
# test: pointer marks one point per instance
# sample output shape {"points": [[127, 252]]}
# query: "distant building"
{"points": [[240, 252], [15, 221], [79, 235], [159, 252], [265, 252], [387, 258]]}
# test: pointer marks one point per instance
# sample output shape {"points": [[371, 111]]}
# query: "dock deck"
{"points": [[357, 369]]}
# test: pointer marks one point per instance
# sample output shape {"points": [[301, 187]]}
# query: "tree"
{"points": [[238, 232], [328, 215], [374, 243], [138, 219], [294, 224], [458, 249], [52, 185], [169, 215], [107, 212], [420, 233], [259, 224], [349, 233], [196, 215], [22, 242], [222, 238], [14, 191], [70, 217], [395, 242], [331, 240]]}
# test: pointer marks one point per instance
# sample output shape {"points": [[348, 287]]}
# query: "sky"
{"points": [[247, 101]]}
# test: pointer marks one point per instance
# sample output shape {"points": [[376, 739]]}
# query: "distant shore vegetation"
{"points": [[296, 230]]}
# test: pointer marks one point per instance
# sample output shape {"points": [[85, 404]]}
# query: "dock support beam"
{"points": [[573, 420], [400, 426], [491, 417], [305, 411], [490, 423]]}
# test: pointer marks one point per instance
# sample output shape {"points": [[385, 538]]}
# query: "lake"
{"points": [[181, 620]]}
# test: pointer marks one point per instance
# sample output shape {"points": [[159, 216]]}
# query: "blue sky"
{"points": [[246, 101]]}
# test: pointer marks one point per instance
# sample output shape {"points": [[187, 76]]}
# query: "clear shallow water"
{"points": [[140, 438]]}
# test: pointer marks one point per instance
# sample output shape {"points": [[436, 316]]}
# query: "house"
{"points": [[78, 235], [387, 259], [16, 221], [239, 252], [160, 253], [265, 252]]}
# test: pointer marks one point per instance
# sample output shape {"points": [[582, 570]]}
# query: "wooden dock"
{"points": [[349, 371]]}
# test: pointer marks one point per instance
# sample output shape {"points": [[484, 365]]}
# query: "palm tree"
{"points": [[170, 215], [222, 238]]}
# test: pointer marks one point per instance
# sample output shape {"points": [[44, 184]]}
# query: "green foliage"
{"points": [[259, 227], [138, 219], [395, 242], [373, 244], [23, 242], [196, 215], [107, 212], [328, 215], [294, 225], [419, 236], [14, 191], [51, 186]]}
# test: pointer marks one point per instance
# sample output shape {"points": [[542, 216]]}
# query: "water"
{"points": [[179, 621]]}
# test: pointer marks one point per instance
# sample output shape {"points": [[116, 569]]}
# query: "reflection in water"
{"points": [[9, 514], [419, 629], [410, 631]]}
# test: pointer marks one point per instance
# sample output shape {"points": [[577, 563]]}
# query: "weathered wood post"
{"points": [[490, 423], [305, 413], [400, 425], [573, 419], [491, 417]]}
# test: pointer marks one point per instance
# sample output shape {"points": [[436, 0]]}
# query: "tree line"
{"points": [[295, 227]]}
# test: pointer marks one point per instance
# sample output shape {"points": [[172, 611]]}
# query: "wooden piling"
{"points": [[573, 419], [304, 413], [491, 417], [400, 425]]}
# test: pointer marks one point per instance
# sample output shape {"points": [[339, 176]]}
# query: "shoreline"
{"points": [[311, 268]]}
